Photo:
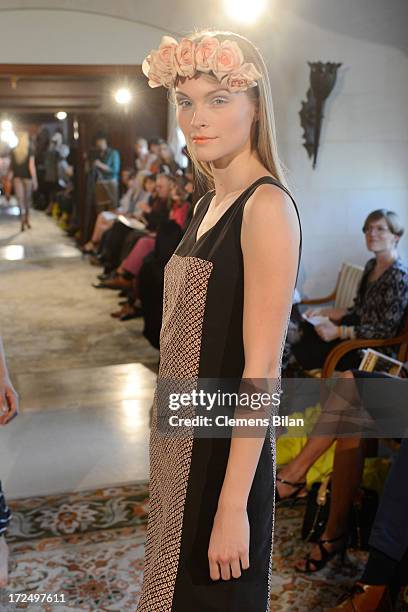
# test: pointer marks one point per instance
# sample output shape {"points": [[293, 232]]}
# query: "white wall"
{"points": [[70, 37], [362, 162], [364, 142]]}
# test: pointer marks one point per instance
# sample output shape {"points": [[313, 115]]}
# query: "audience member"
{"points": [[144, 159], [380, 304]]}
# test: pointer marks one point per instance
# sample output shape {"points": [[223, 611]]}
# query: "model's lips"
{"points": [[201, 139]]}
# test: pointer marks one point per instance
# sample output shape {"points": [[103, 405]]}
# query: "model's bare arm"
{"points": [[33, 172], [270, 243]]}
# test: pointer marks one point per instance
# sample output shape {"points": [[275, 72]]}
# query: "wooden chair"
{"points": [[345, 290], [342, 296], [341, 349]]}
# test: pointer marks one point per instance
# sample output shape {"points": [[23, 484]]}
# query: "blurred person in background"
{"points": [[24, 175]]}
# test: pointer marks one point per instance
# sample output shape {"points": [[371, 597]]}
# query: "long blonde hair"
{"points": [[22, 150], [263, 133]]}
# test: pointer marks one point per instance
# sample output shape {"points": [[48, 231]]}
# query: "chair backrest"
{"points": [[347, 285]]}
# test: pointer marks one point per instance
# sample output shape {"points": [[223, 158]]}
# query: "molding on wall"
{"points": [[148, 24]]}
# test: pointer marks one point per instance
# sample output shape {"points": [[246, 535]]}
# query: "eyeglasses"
{"points": [[379, 229]]}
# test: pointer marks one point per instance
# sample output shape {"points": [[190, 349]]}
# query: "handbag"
{"points": [[360, 520]]}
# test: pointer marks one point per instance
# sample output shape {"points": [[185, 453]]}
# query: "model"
{"points": [[227, 299]]}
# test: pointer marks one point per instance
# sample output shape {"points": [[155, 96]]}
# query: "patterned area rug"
{"points": [[87, 549]]}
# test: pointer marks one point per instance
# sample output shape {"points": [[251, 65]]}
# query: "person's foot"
{"points": [[89, 247], [4, 561], [365, 598], [133, 313], [126, 308], [322, 552], [95, 260], [117, 283], [288, 487]]}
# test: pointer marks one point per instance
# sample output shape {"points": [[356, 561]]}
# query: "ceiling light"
{"points": [[244, 11], [6, 125], [123, 96]]}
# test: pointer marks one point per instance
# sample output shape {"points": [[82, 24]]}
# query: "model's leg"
{"points": [[19, 193], [28, 192]]}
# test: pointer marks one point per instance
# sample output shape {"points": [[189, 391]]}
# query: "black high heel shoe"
{"points": [[293, 497], [326, 555]]}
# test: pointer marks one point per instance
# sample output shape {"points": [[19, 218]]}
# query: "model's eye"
{"points": [[219, 101], [183, 103]]}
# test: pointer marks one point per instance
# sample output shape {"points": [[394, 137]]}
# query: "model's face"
{"points": [[379, 236], [215, 122]]}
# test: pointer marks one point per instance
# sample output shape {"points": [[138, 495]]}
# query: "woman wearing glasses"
{"points": [[378, 308]]}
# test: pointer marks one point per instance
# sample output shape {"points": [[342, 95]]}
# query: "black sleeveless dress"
{"points": [[202, 337]]}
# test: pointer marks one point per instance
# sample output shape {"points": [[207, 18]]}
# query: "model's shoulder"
{"points": [[267, 201]]}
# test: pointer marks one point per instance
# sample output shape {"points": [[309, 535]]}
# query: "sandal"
{"points": [[293, 497], [326, 555]]}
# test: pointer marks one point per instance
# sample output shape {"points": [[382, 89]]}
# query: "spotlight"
{"points": [[6, 125], [245, 11], [123, 96], [9, 137], [61, 115]]}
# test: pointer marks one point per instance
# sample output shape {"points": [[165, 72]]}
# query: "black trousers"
{"points": [[311, 351], [117, 242], [390, 530]]}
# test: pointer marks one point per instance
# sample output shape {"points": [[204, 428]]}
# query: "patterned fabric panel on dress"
{"points": [[185, 291]]}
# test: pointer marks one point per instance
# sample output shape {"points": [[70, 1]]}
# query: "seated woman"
{"points": [[133, 204], [126, 275], [180, 206], [354, 404], [378, 308], [168, 164]]}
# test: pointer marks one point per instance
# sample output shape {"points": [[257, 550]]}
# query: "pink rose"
{"points": [[184, 59], [154, 79], [205, 51], [159, 65], [242, 78], [227, 58]]}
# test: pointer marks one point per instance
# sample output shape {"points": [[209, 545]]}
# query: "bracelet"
{"points": [[343, 332]]}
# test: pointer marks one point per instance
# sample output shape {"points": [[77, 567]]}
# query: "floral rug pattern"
{"points": [[89, 548]]}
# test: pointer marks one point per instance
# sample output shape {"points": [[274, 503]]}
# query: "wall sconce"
{"points": [[322, 80]]}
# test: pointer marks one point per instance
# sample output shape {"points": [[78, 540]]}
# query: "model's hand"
{"points": [[8, 402], [327, 331], [229, 544]]}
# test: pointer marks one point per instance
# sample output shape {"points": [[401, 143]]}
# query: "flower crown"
{"points": [[224, 59]]}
